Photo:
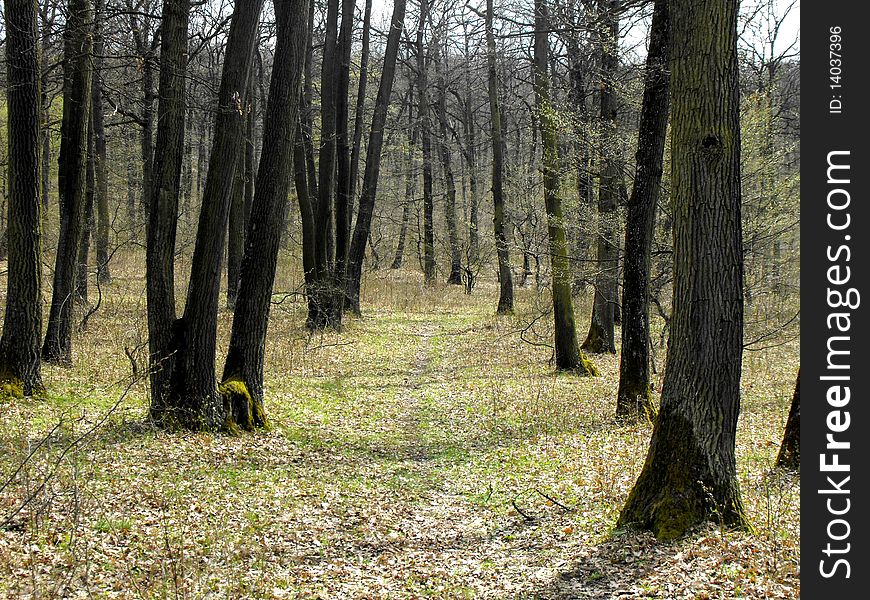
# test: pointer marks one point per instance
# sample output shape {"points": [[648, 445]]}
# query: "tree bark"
{"points": [[790, 451], [455, 277], [163, 206], [72, 169], [242, 381], [633, 398], [690, 473], [505, 276], [101, 169], [193, 395], [20, 368], [426, 137], [567, 354], [362, 229], [601, 336]]}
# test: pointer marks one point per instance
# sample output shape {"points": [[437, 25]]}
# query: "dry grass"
{"points": [[427, 451]]}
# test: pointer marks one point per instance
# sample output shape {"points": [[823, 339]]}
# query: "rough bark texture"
{"points": [[505, 276], [20, 373], [242, 381], [193, 395], [362, 229], [163, 206], [790, 451], [72, 169], [567, 354], [633, 398], [601, 337], [690, 473]]}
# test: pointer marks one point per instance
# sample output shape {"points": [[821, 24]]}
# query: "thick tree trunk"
{"points": [[499, 217], [601, 336], [790, 451], [690, 473], [193, 394], [242, 381], [633, 398], [72, 170], [163, 205], [20, 372], [362, 229], [567, 354]]}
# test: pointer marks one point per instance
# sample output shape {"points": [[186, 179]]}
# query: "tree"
{"points": [[242, 381], [567, 354], [505, 276], [600, 338], [72, 171], [790, 451], [690, 473], [163, 204], [362, 229], [20, 371], [193, 401], [426, 140], [633, 398], [101, 167]]}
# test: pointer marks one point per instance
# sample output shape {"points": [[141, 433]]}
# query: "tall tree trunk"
{"points": [[633, 398], [567, 355], [499, 217], [20, 372], [601, 335], [470, 130], [690, 473], [72, 170], [242, 381], [236, 230], [322, 290], [193, 394], [426, 137], [344, 174], [360, 101], [790, 451], [455, 277], [362, 229], [101, 167], [163, 206]]}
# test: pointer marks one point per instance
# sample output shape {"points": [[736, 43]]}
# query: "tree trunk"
{"points": [[360, 102], [163, 205], [567, 355], [690, 473], [455, 277], [633, 398], [236, 231], [790, 450], [368, 192], [426, 136], [242, 381], [410, 187], [81, 288], [20, 372], [601, 337], [193, 394], [72, 170], [505, 277], [101, 168]]}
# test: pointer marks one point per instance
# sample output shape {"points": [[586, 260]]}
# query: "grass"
{"points": [[427, 451]]}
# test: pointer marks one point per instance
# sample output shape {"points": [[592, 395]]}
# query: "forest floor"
{"points": [[427, 451]]}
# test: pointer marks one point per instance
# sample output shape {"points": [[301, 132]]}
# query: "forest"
{"points": [[410, 299]]}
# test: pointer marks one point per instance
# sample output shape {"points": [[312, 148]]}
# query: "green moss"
{"points": [[588, 365], [242, 411], [11, 385]]}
